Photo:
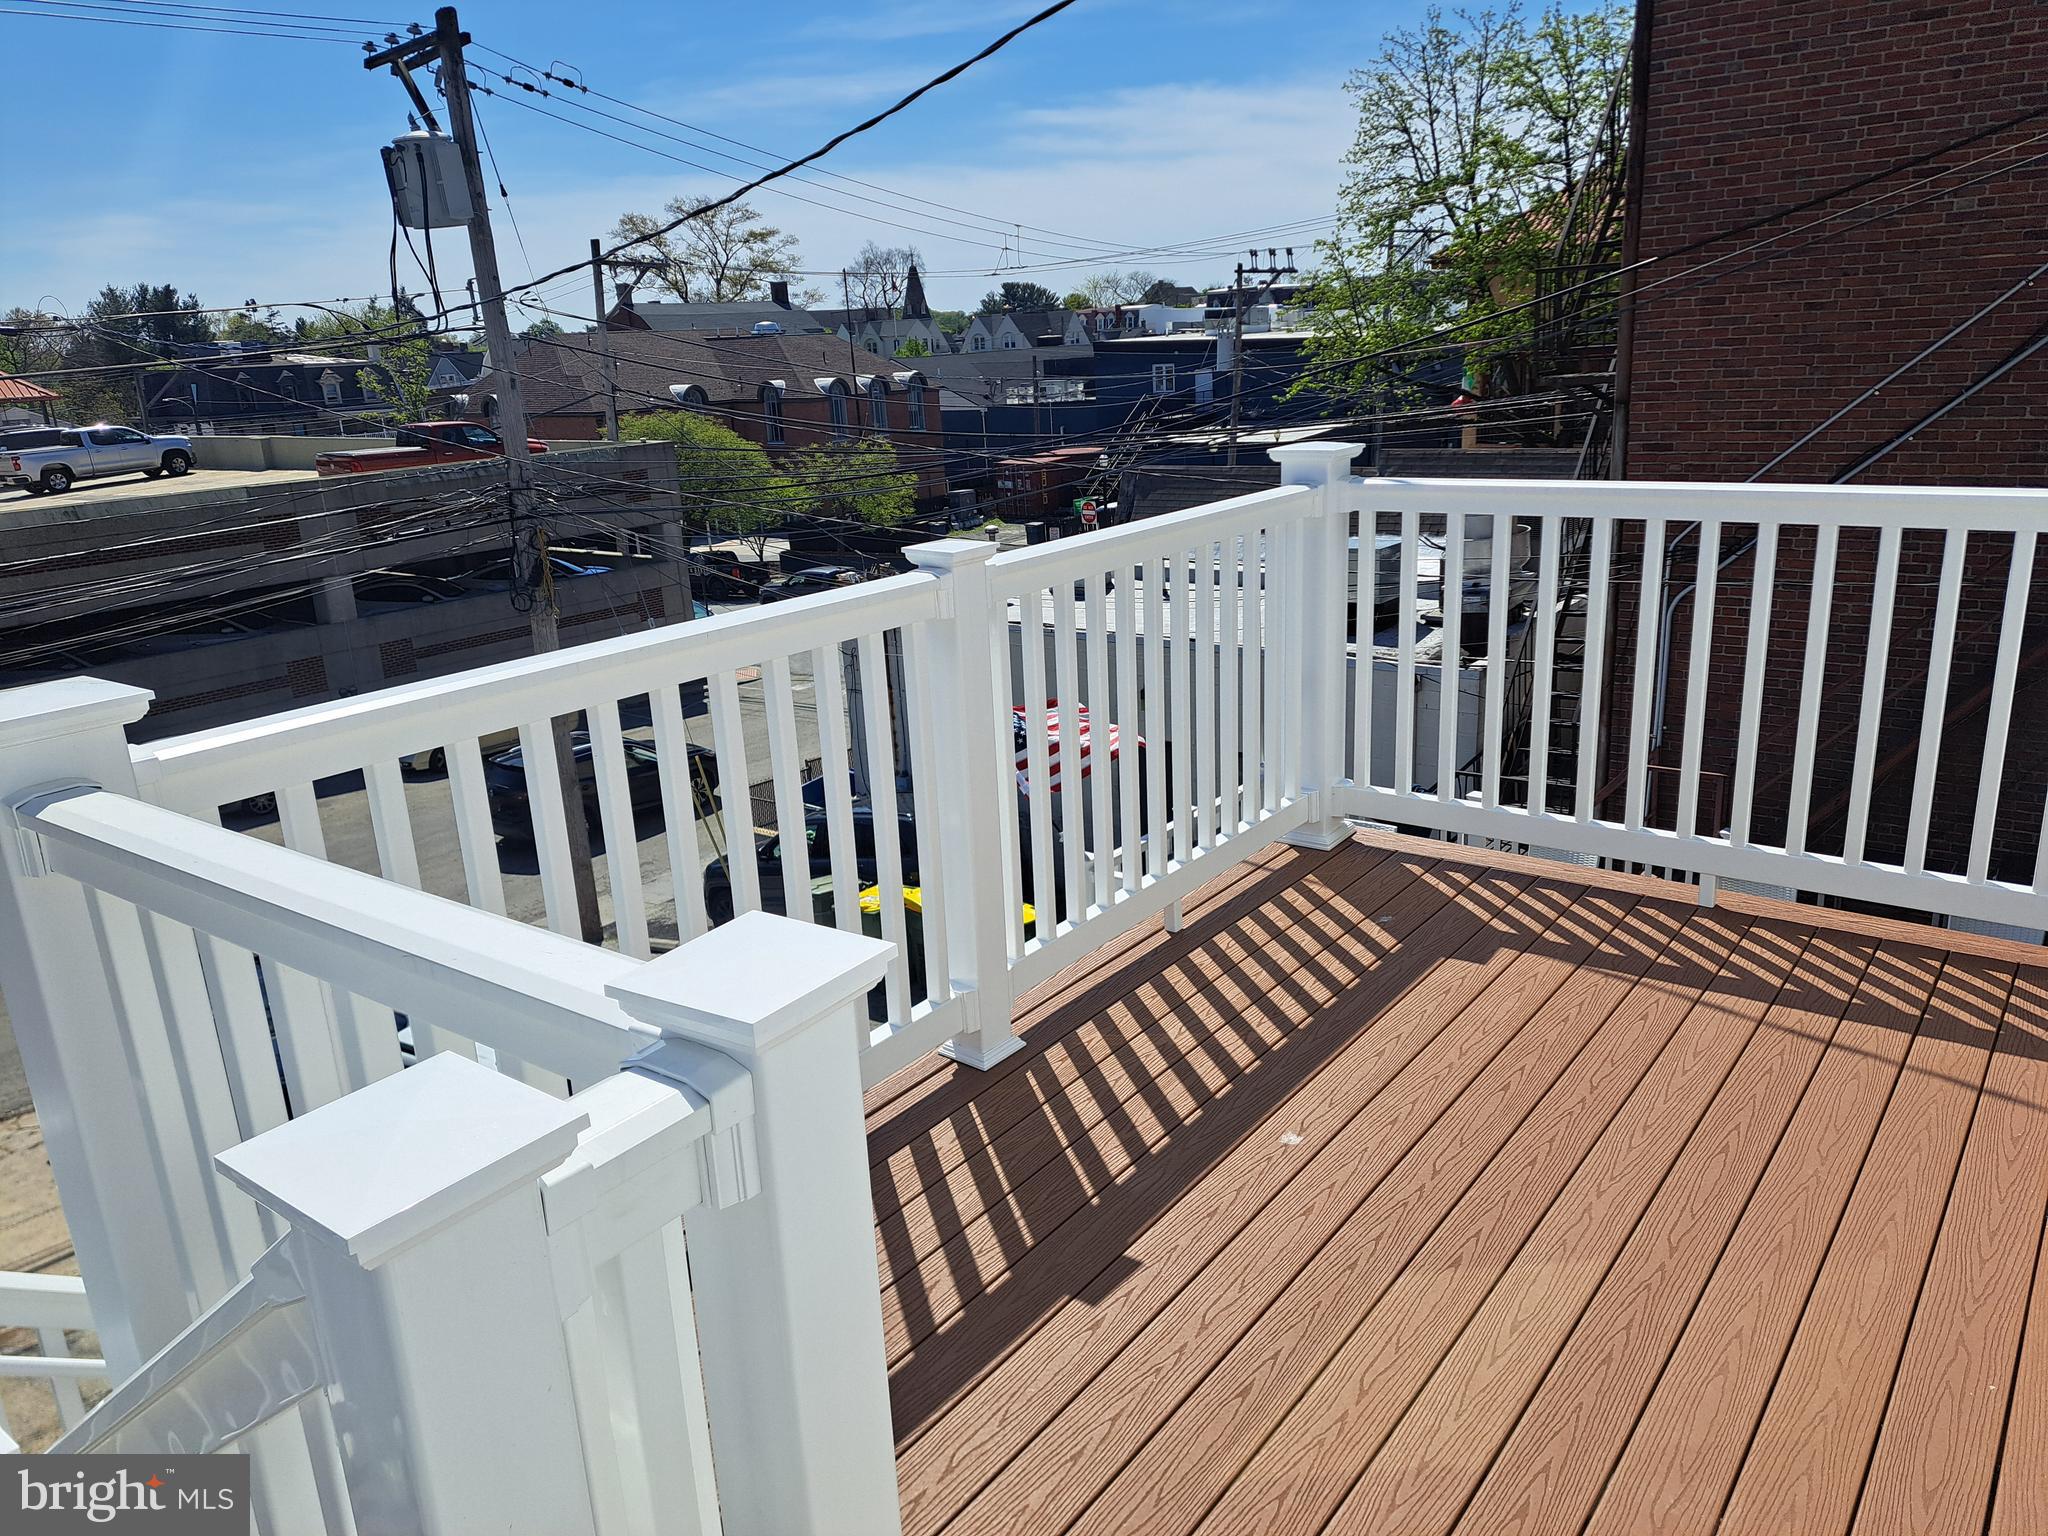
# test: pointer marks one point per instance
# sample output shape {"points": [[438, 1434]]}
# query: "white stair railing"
{"points": [[51, 1306]]}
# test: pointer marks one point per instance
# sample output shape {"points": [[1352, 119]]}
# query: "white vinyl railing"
{"points": [[49, 1306], [1847, 661], [1047, 746]]}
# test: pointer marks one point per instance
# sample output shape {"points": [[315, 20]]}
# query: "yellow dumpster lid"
{"points": [[913, 901]]}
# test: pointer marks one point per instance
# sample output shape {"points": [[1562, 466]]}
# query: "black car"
{"points": [[817, 578], [718, 907], [512, 815]]}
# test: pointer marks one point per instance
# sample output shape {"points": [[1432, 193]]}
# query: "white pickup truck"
{"points": [[87, 453]]}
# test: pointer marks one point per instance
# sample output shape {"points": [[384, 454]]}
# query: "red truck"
{"points": [[421, 443]]}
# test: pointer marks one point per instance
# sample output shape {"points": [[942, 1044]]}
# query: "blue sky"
{"points": [[246, 167]]}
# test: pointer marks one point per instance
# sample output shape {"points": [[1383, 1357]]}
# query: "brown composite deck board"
{"points": [[1662, 1219], [1938, 1450], [1486, 994], [1315, 1453], [1804, 1470], [1425, 1190], [1091, 1251], [1223, 1007], [1684, 1428]]}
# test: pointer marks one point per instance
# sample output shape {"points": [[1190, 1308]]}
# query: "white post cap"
{"points": [[748, 983], [66, 706], [945, 554], [1310, 463], [385, 1166]]}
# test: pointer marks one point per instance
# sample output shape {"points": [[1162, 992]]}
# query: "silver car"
{"points": [[88, 453]]}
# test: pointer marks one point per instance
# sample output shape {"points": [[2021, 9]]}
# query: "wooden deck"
{"points": [[1413, 1194]]}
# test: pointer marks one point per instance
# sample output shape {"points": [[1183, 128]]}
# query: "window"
{"points": [[771, 414], [330, 387], [287, 387], [481, 437], [1162, 379], [835, 392], [915, 395], [1010, 341], [1205, 386], [980, 342], [878, 405]]}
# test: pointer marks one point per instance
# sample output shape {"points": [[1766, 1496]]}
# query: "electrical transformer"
{"points": [[428, 187]]}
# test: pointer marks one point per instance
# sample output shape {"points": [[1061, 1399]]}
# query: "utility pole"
{"points": [[532, 571], [1271, 273], [604, 343]]}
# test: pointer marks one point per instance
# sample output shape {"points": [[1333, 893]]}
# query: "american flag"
{"points": [[1053, 718]]}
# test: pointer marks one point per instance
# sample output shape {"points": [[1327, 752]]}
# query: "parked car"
{"points": [[420, 443], [768, 851], [506, 788], [816, 578], [30, 437], [90, 453]]}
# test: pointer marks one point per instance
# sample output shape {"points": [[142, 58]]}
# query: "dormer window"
{"points": [[286, 388], [878, 405], [914, 397], [330, 386], [771, 414], [835, 395], [980, 342]]}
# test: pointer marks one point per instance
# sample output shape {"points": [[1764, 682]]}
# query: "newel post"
{"points": [[418, 1232], [1325, 540], [68, 1026], [788, 1295], [973, 773]]}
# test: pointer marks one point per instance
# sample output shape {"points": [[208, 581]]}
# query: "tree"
{"points": [[723, 256], [857, 479], [404, 357], [121, 332], [542, 329], [732, 481], [878, 275], [913, 346], [1166, 291], [1018, 296], [1106, 290], [1473, 132], [951, 322], [262, 327], [1077, 300]]}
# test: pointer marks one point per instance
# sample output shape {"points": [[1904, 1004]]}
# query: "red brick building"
{"points": [[1866, 160], [784, 392]]}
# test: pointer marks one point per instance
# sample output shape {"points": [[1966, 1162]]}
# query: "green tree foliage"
{"points": [[739, 490], [1018, 296], [913, 346], [721, 257], [951, 322], [858, 479], [542, 330], [1474, 131]]}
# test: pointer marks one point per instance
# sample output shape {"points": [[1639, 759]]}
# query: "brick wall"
{"points": [[1756, 105]]}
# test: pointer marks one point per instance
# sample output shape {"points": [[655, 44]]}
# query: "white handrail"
{"points": [[211, 768]]}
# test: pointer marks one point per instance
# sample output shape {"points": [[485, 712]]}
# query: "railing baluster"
{"points": [[785, 769], [1543, 637], [1157, 724], [1130, 725], [550, 825], [1073, 788], [1254, 741], [924, 769], [474, 836], [1284, 686], [1404, 677], [1038, 766], [835, 749], [391, 823], [1699, 671], [1202, 594], [1229, 664], [1947, 601], [1364, 652], [243, 1028], [736, 791], [1649, 617], [1991, 778], [1101, 771], [1818, 609], [311, 1016], [1450, 675], [679, 810], [1599, 577], [881, 744], [1762, 599], [1497, 669], [1180, 661], [1869, 714], [621, 834]]}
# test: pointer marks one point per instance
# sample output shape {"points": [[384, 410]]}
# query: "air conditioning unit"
{"points": [[428, 187]]}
